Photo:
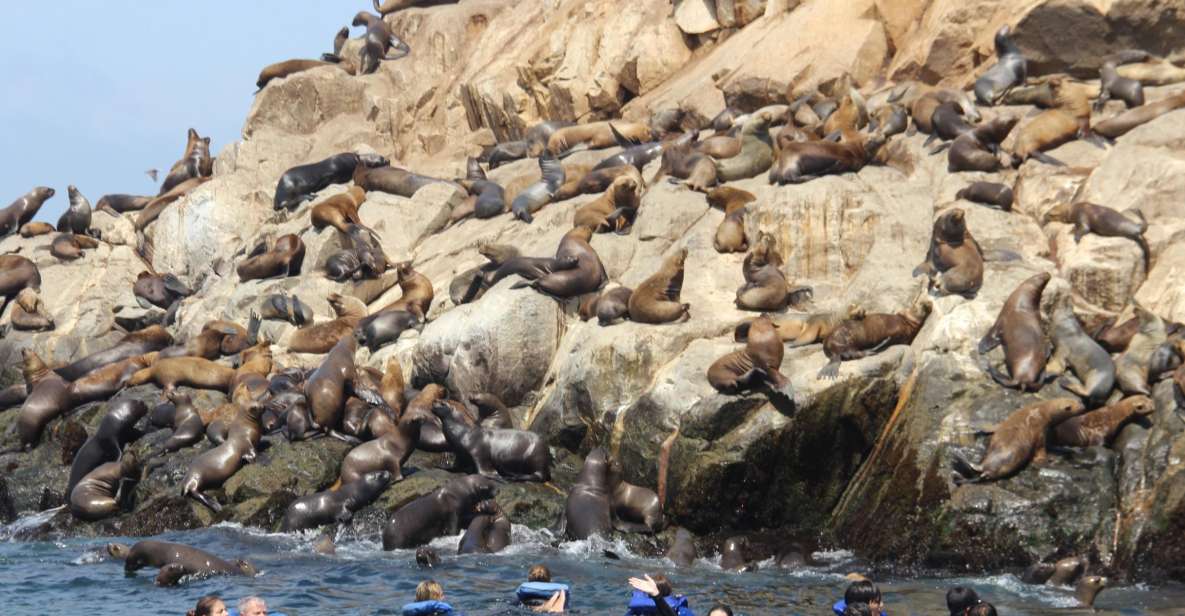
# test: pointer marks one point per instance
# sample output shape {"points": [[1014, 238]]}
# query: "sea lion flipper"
{"points": [[830, 371], [1047, 159], [964, 468]]}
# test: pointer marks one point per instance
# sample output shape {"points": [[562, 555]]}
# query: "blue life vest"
{"points": [[427, 608], [641, 604], [842, 605], [540, 592]]}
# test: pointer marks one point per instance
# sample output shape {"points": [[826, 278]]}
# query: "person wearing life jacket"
{"points": [[960, 599], [861, 591], [655, 596], [429, 601], [541, 594]]}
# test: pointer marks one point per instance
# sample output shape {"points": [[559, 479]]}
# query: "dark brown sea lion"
{"points": [[948, 122], [577, 270], [682, 551], [120, 203], [283, 258], [49, 397], [801, 162], [608, 307], [733, 554], [320, 337], [68, 246], [615, 209], [160, 290], [172, 372], [656, 299], [1112, 85], [1021, 438], [103, 382], [17, 273], [195, 163], [29, 313], [147, 340], [506, 261], [486, 198], [77, 218], [532, 198], [394, 181], [730, 234], [683, 161], [1088, 589], [379, 40], [491, 412], [488, 532], [759, 362], [299, 183], [290, 67], [587, 511], [1099, 428], [1131, 368], [388, 452], [1115, 338], [186, 422], [328, 385], [517, 455], [922, 100], [445, 511], [635, 509], [432, 438], [854, 339], [1093, 371], [35, 229], [1104, 221], [331, 506], [97, 495], [1009, 71], [991, 194], [115, 431], [1115, 127], [385, 327], [179, 559], [286, 308], [977, 150], [595, 136], [338, 211], [213, 467], [506, 152], [803, 329], [1019, 329], [20, 212], [766, 287], [954, 262]]}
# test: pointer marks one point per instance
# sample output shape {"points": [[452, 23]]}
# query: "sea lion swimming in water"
{"points": [[1010, 70], [1106, 222], [1019, 329], [488, 532], [179, 559], [1021, 438]]}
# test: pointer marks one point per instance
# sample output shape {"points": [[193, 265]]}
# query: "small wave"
{"points": [[27, 522]]}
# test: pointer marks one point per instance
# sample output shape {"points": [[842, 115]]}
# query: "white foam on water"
{"points": [[27, 522]]}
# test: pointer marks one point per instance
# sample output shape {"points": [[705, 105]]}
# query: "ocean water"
{"points": [[76, 577]]}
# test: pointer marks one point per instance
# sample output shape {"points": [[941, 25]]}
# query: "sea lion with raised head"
{"points": [[379, 40], [489, 198], [1074, 351], [539, 194], [488, 532], [416, 290], [803, 329], [23, 209], [1009, 71], [320, 337], [576, 270], [77, 218], [195, 162], [1131, 368], [1106, 222], [283, 258], [756, 155], [331, 506], [29, 313], [1100, 427], [189, 560], [365, 244], [388, 452], [299, 183], [338, 211], [1113, 85], [730, 234], [147, 340], [1067, 120], [115, 431], [97, 495], [992, 194], [634, 509], [517, 455], [855, 339], [49, 397], [504, 260], [1021, 438], [186, 422], [954, 262], [492, 413], [978, 149], [445, 511], [1115, 338], [328, 385], [682, 551], [615, 210], [656, 299], [213, 467], [587, 511], [759, 362], [766, 287], [1018, 328]]}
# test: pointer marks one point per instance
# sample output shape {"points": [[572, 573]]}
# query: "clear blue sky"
{"points": [[98, 91]]}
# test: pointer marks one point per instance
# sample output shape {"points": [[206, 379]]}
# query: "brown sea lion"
{"points": [[588, 509], [120, 203], [379, 40], [1115, 127], [684, 162], [320, 337], [23, 209], [608, 307], [1115, 338], [115, 431], [1131, 368], [432, 437], [506, 261], [991, 194], [759, 362], [328, 385], [595, 136], [338, 211], [77, 217], [1099, 428], [801, 162], [213, 467], [1021, 438], [488, 532], [615, 209], [195, 372], [1019, 329], [577, 268], [331, 506], [29, 312], [175, 561], [852, 113], [416, 288], [634, 509], [48, 398], [283, 307], [656, 299], [105, 381], [766, 287], [98, 494], [803, 329], [855, 339], [283, 258], [188, 427], [1093, 371], [68, 246], [1068, 120], [583, 180], [445, 511], [730, 234], [388, 452], [1088, 589], [35, 229], [516, 455], [921, 100], [394, 181], [147, 340], [682, 551], [153, 209], [492, 413], [383, 328], [1153, 71], [291, 67], [732, 554], [195, 162], [720, 146], [954, 262], [17, 273], [160, 290], [1104, 221], [977, 150]]}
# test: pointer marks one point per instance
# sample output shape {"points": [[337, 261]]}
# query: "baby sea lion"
{"points": [[635, 509], [338, 211], [1019, 329], [284, 258], [282, 307], [576, 269], [29, 312], [1069, 119], [587, 511], [445, 511], [115, 431], [180, 559], [1119, 125], [23, 209], [1078, 353], [801, 162], [77, 218], [517, 455], [539, 194], [608, 307], [730, 234], [759, 362], [68, 246], [766, 287], [954, 262], [855, 339], [1021, 438], [803, 329], [301, 182], [992, 194], [1009, 71], [98, 494], [147, 340], [488, 532], [1104, 221], [1131, 368], [656, 299], [1112, 85], [1099, 428], [36, 228], [320, 337], [756, 155], [331, 506], [594, 136]]}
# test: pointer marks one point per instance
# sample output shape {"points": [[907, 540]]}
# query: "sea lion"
{"points": [[147, 340], [504, 260], [1115, 338], [732, 554], [17, 273], [891, 119], [759, 362], [160, 290], [517, 455], [388, 452], [378, 42], [801, 162], [1131, 368], [1152, 71], [615, 210], [186, 422], [29, 313], [394, 181], [197, 372], [577, 268], [490, 197], [77, 218], [319, 338], [286, 68], [328, 507], [365, 243], [179, 559], [991, 194], [1099, 428], [922, 100], [588, 508], [386, 327], [1088, 589], [153, 209], [416, 290], [35, 229], [488, 532], [1009, 71], [49, 397], [121, 203], [1067, 120], [115, 431], [12, 395], [1113, 128], [338, 211], [1078, 353], [1112, 85], [852, 112], [954, 262], [506, 152], [730, 234], [195, 163], [539, 194], [492, 414], [213, 467], [595, 136], [1021, 438], [327, 386], [97, 495], [281, 307], [23, 209], [1106, 222], [1018, 328], [684, 161], [977, 150], [68, 246], [854, 339], [656, 299], [445, 511], [682, 551], [343, 265], [948, 123], [766, 287], [756, 155], [634, 509], [636, 155], [609, 306], [803, 329], [299, 183], [283, 258]]}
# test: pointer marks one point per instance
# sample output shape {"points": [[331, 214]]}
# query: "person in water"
{"points": [[960, 599], [857, 609], [252, 606], [429, 601], [720, 610], [209, 605], [861, 591], [541, 594], [654, 595]]}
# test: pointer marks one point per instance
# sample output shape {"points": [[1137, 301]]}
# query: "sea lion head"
{"points": [[1089, 587], [43, 192], [336, 302], [246, 568], [481, 487], [362, 19], [427, 557], [679, 257], [405, 271], [1141, 405], [118, 550], [952, 225], [370, 159], [920, 309]]}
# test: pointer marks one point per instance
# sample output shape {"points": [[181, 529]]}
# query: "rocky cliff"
{"points": [[861, 462]]}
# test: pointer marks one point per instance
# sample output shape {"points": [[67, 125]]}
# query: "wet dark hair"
{"points": [[863, 591], [539, 573], [857, 609], [205, 606], [663, 584], [960, 598], [720, 607], [982, 609]]}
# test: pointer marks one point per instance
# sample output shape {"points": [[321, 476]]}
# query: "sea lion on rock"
{"points": [[539, 194], [20, 212], [855, 339], [394, 181], [730, 234], [328, 507], [1115, 127], [282, 307], [803, 329], [1069, 119], [517, 455], [656, 299], [378, 42], [801, 162], [35, 229], [328, 385], [588, 508], [1115, 338], [212, 468], [1112, 85], [1009, 71], [197, 372], [77, 218], [320, 337], [635, 509], [97, 495], [286, 68], [147, 340], [121, 203], [609, 306], [759, 362], [756, 155], [492, 413], [68, 246], [1019, 329], [1077, 352], [29, 313], [17, 273], [1021, 438], [181, 559], [386, 327], [12, 395], [115, 431], [365, 243], [195, 163], [49, 397], [1131, 368], [1106, 222], [186, 422], [506, 261], [160, 290], [443, 512], [299, 183], [284, 258], [338, 211], [977, 150], [488, 532], [595, 136], [766, 287], [991, 194], [388, 452], [954, 262], [506, 152], [489, 198], [615, 210], [577, 268], [153, 209], [1100, 427]]}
